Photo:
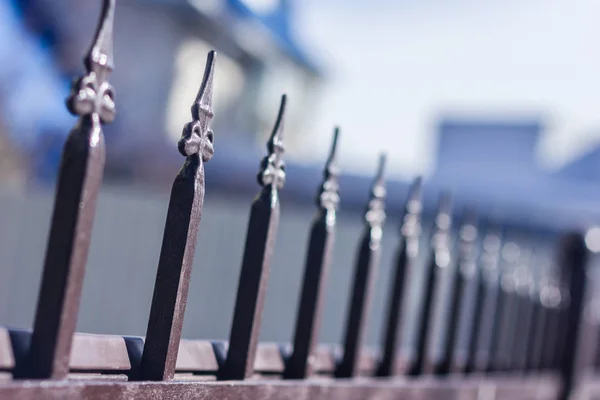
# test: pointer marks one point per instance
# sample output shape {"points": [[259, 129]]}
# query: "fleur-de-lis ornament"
{"points": [[92, 95], [328, 197], [375, 215], [197, 137], [272, 167]]}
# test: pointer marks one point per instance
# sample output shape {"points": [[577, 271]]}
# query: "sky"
{"points": [[394, 67]]}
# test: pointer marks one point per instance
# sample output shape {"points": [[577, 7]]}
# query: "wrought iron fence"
{"points": [[508, 333]]}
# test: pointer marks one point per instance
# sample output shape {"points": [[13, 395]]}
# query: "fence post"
{"points": [[163, 335], [525, 316], [540, 315], [364, 277], [506, 308], [79, 179], [439, 260], [256, 264], [410, 233], [479, 354], [462, 290], [572, 259], [320, 246]]}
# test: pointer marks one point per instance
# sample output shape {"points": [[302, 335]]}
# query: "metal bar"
{"points": [[463, 289], [524, 320], [439, 260], [179, 239], [539, 387], [256, 264], [572, 259], [480, 349], [504, 325], [79, 180], [536, 338], [320, 246], [410, 233], [364, 277]]}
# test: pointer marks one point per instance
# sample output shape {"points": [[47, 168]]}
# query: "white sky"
{"points": [[396, 65]]}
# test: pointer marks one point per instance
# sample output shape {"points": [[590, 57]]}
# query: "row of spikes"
{"points": [[78, 184]]}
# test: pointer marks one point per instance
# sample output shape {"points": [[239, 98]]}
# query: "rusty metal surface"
{"points": [[79, 179], [256, 263], [179, 241], [300, 364], [364, 276], [439, 260]]}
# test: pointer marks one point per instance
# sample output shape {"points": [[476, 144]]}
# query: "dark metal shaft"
{"points": [[79, 180], [364, 277], [410, 232], [256, 263], [179, 240], [461, 293], [320, 246], [438, 262]]}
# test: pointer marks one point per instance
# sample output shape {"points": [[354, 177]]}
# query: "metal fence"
{"points": [[491, 321]]}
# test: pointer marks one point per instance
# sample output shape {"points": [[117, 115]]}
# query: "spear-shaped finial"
{"points": [[101, 51], [328, 197], [91, 94], [272, 170], [375, 215], [197, 137]]}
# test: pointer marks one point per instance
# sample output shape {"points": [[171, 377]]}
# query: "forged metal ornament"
{"points": [[320, 245], [179, 240], [410, 232], [79, 179], [92, 94], [439, 259], [272, 171], [366, 265], [237, 362]]}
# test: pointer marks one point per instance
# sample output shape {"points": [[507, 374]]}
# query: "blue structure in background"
{"points": [[32, 92]]}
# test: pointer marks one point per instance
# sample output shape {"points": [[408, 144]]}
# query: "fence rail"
{"points": [[509, 329]]}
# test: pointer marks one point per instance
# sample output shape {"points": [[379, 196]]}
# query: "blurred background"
{"points": [[496, 101]]}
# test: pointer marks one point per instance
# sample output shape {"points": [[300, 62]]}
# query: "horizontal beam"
{"points": [[513, 388]]}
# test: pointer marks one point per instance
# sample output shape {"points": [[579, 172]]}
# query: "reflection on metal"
{"points": [[179, 239], [80, 176], [256, 264], [364, 277], [523, 316], [410, 232], [439, 260], [320, 245]]}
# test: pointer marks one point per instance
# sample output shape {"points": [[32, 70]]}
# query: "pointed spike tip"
{"points": [[204, 96], [416, 188], [101, 51], [381, 166], [277, 134], [334, 145]]}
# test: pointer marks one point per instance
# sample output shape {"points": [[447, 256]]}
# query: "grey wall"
{"points": [[123, 259]]}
